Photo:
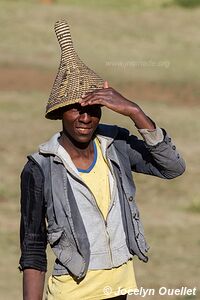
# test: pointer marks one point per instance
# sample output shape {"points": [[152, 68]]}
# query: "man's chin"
{"points": [[83, 139]]}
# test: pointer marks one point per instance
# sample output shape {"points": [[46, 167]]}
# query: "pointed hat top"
{"points": [[73, 79]]}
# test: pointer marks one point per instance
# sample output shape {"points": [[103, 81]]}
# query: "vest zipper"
{"points": [[106, 232], [104, 221], [106, 226], [110, 252]]}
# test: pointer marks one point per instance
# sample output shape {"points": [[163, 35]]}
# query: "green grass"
{"points": [[187, 3], [124, 44], [195, 205]]}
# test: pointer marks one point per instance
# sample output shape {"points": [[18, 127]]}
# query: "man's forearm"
{"points": [[33, 284], [141, 120]]}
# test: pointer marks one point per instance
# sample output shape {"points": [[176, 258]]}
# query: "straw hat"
{"points": [[73, 79]]}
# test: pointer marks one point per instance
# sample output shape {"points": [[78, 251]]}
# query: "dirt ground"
{"points": [[25, 79]]}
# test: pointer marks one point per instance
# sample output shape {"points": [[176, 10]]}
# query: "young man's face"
{"points": [[79, 123]]}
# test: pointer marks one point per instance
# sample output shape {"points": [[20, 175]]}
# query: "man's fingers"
{"points": [[105, 84], [95, 99], [92, 102], [95, 95]]}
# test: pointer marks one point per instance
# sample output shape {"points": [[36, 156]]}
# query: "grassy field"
{"points": [[149, 51]]}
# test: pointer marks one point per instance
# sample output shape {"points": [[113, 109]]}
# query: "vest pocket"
{"points": [[60, 245], [66, 252], [139, 233]]}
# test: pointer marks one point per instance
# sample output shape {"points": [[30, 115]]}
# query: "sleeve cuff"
{"points": [[152, 137]]}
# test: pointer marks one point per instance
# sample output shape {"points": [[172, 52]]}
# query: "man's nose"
{"points": [[85, 117]]}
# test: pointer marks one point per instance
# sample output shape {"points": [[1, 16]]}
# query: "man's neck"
{"points": [[76, 149]]}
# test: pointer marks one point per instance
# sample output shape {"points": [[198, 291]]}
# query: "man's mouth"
{"points": [[84, 130]]}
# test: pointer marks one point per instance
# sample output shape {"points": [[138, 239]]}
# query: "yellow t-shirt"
{"points": [[97, 284]]}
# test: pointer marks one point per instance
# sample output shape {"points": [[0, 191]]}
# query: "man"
{"points": [[80, 184]]}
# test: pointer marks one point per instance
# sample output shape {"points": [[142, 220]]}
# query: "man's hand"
{"points": [[113, 100]]}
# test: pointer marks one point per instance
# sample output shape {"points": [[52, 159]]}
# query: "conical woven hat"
{"points": [[73, 79]]}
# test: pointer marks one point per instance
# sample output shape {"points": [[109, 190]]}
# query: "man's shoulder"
{"points": [[40, 161], [32, 169]]}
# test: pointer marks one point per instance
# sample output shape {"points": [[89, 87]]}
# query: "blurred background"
{"points": [[148, 50]]}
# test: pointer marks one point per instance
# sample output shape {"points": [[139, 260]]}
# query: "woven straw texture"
{"points": [[73, 79]]}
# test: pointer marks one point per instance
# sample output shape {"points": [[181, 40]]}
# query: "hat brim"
{"points": [[57, 111]]}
